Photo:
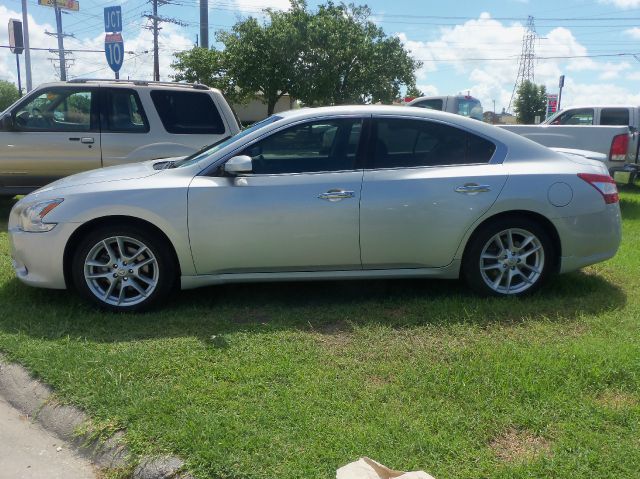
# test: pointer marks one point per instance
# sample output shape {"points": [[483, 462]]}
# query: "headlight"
{"points": [[32, 216]]}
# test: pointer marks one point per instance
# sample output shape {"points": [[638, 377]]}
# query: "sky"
{"points": [[465, 45]]}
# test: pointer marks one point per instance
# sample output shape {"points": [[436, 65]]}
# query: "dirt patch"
{"points": [[517, 445], [377, 382], [336, 334], [617, 400]]}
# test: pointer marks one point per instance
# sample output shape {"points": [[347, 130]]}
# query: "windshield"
{"points": [[470, 107], [207, 152]]}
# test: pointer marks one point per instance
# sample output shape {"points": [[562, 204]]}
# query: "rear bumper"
{"points": [[590, 238]]}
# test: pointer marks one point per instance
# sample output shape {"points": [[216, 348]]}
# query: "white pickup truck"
{"points": [[611, 130]]}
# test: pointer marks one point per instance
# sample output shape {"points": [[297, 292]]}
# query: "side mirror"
{"points": [[7, 123], [239, 165]]}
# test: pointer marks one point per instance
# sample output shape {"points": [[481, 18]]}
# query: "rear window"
{"points": [[614, 116], [470, 107], [187, 112], [429, 104]]}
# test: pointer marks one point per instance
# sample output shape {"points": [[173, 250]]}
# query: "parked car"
{"points": [[612, 130], [464, 105], [327, 193], [64, 128]]}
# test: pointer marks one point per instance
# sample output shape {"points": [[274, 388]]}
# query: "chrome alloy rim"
{"points": [[512, 261], [121, 271]]}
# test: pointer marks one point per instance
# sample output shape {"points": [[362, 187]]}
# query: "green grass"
{"points": [[294, 380]]}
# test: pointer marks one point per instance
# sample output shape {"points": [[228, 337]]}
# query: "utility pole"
{"points": [[156, 60], [204, 23], [527, 57], [63, 64], [155, 27], [27, 52]]}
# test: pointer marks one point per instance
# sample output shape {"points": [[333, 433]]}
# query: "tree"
{"points": [[531, 101], [262, 57], [201, 65], [8, 94], [414, 92], [332, 56], [349, 59]]}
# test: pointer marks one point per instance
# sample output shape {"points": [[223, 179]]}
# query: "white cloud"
{"points": [[624, 4], [461, 48], [428, 90], [633, 32], [251, 6], [598, 93], [138, 65]]}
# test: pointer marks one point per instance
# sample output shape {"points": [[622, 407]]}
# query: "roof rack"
{"points": [[197, 86]]}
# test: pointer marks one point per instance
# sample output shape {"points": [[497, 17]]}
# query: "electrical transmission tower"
{"points": [[527, 57]]}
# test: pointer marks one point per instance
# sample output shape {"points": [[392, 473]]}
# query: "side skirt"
{"points": [[451, 271]]}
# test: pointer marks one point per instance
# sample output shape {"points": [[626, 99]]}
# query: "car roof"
{"points": [[136, 84]]}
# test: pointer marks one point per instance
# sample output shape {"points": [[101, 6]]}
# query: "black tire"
{"points": [[490, 277], [140, 282]]}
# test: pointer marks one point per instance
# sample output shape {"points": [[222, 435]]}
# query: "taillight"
{"points": [[619, 147], [604, 184]]}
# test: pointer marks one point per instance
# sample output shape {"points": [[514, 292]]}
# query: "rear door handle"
{"points": [[336, 195], [472, 188], [86, 139]]}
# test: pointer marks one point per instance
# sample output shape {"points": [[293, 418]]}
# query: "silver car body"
{"points": [[399, 222]]}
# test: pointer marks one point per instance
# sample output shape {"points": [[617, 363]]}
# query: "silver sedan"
{"points": [[328, 193]]}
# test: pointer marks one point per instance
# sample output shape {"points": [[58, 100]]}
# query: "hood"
{"points": [[112, 173]]}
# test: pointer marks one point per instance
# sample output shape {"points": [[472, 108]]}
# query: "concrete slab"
{"points": [[27, 451]]}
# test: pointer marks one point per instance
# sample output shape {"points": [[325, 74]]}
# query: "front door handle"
{"points": [[86, 140], [472, 188], [336, 195]]}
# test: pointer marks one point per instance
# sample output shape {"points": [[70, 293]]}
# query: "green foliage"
{"points": [[348, 59], [202, 65], [8, 94], [414, 92], [334, 55], [531, 101]]}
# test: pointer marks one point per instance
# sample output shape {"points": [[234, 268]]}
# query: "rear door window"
{"points": [[614, 116], [188, 112], [405, 143], [124, 112]]}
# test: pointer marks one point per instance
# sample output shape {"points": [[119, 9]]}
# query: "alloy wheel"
{"points": [[121, 271], [512, 261]]}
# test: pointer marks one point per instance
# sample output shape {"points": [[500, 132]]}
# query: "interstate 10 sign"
{"points": [[114, 50]]}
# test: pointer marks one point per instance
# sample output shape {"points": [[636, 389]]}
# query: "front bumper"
{"points": [[38, 258]]}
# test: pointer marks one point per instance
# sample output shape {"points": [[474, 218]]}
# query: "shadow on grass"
{"points": [[329, 307], [6, 204]]}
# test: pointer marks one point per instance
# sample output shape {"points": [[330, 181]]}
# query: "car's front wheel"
{"points": [[123, 269], [508, 257]]}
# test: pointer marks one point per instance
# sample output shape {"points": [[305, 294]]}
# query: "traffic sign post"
{"points": [[113, 42], [114, 51], [113, 19], [16, 45]]}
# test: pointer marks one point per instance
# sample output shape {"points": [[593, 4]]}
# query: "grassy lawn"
{"points": [[294, 380]]}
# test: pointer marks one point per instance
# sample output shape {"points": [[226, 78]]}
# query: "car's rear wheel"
{"points": [[123, 269], [508, 257]]}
